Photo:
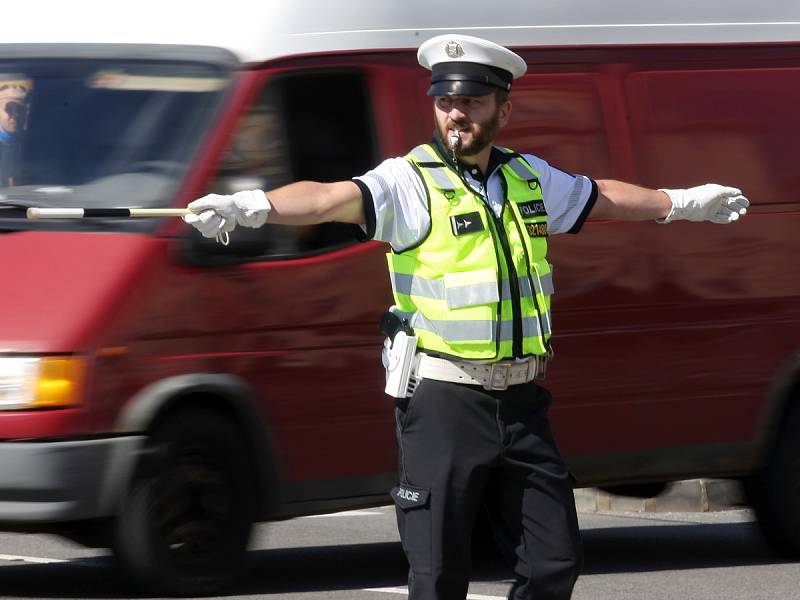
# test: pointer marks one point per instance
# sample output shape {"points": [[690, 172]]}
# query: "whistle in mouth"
{"points": [[455, 139]]}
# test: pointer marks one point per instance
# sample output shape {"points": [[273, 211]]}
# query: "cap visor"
{"points": [[460, 88]]}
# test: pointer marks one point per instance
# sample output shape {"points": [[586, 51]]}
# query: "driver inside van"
{"points": [[14, 110]]}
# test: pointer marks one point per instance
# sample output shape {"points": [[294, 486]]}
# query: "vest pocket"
{"points": [[471, 298], [471, 288]]}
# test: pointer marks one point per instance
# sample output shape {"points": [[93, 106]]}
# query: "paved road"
{"points": [[356, 556]]}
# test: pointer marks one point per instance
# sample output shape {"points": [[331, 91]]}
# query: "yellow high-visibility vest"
{"points": [[477, 286]]}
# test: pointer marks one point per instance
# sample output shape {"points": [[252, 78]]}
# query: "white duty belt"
{"points": [[492, 376]]}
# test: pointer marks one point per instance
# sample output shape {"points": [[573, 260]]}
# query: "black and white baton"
{"points": [[89, 213]]}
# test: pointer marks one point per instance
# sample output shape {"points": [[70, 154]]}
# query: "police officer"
{"points": [[467, 223]]}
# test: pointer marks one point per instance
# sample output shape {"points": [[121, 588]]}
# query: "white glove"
{"points": [[709, 202], [215, 214]]}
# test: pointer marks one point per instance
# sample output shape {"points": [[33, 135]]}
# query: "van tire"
{"points": [[184, 526], [774, 493]]}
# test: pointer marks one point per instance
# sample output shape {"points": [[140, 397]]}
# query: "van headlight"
{"points": [[40, 382]]}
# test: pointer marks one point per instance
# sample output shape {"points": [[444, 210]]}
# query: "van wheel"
{"points": [[774, 493], [184, 526]]}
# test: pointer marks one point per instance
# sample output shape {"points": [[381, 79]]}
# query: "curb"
{"points": [[692, 495]]}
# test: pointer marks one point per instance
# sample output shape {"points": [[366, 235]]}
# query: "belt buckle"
{"points": [[498, 376]]}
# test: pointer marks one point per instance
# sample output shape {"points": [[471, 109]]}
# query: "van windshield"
{"points": [[99, 133]]}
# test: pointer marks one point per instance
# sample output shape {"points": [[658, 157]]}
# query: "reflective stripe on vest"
{"points": [[464, 331], [415, 285], [437, 171], [455, 288]]}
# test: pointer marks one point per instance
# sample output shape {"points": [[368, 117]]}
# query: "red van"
{"points": [[160, 392]]}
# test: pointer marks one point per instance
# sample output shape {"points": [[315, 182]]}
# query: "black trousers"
{"points": [[461, 447]]}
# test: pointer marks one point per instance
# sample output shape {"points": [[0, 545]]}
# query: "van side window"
{"points": [[304, 126]]}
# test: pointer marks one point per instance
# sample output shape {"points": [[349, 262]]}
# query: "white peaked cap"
{"points": [[462, 64]]}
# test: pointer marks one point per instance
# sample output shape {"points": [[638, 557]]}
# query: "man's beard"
{"points": [[486, 132]]}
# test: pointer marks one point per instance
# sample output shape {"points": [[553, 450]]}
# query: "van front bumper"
{"points": [[51, 482]]}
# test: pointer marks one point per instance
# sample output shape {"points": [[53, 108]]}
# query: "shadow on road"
{"points": [[325, 568], [358, 566], [81, 578], [675, 547]]}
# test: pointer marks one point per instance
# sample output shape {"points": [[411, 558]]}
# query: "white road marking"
{"points": [[31, 559], [404, 591], [89, 561], [346, 513]]}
